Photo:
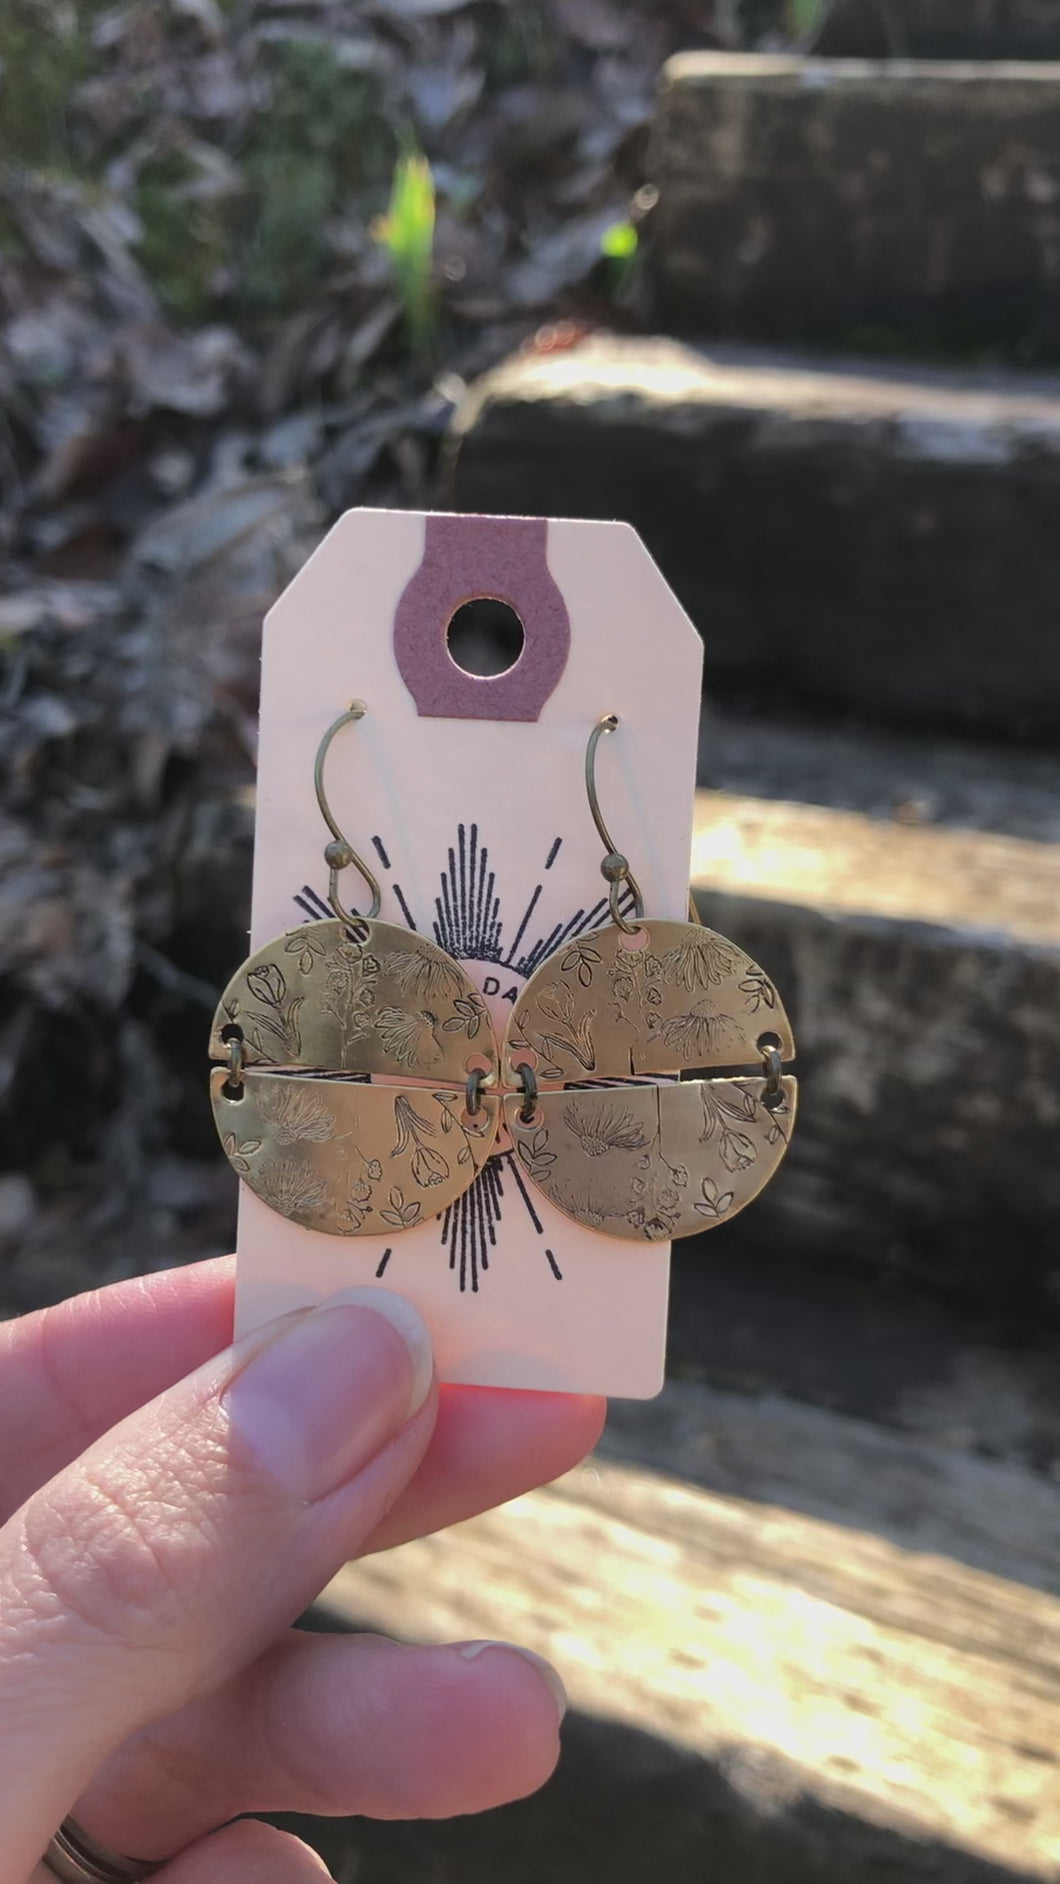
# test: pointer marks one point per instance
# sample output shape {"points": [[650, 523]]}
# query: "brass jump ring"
{"points": [[773, 1069], [236, 1064], [529, 1079]]}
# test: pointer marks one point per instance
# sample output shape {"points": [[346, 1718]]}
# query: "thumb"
{"points": [[173, 1551]]}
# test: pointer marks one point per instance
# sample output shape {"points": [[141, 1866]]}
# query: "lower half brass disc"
{"points": [[653, 1162], [347, 1157]]}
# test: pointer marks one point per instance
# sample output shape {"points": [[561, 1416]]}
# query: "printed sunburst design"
{"points": [[467, 923]]}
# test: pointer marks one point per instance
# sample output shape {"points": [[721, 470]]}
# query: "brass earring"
{"points": [[306, 1028], [632, 1002]]}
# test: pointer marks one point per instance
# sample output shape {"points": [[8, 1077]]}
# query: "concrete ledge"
{"points": [[813, 1702], [859, 539], [858, 202], [972, 886], [892, 777], [921, 970], [941, 29]]}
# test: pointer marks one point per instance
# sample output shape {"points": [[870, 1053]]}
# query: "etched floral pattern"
{"points": [[348, 1005], [695, 1035], [759, 990], [593, 1205], [424, 976], [291, 1188], [451, 1123], [272, 1023], [561, 1035], [427, 1164], [580, 960], [367, 1005], [613, 1161], [239, 1152], [307, 947], [725, 1109], [349, 994], [668, 995], [468, 1017], [604, 1127], [353, 1211], [364, 1001], [351, 1158], [409, 1036], [714, 1203], [402, 1214], [535, 1155], [295, 1113], [705, 960]]}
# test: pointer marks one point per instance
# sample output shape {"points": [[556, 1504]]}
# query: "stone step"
{"points": [[861, 539], [858, 204], [894, 778], [823, 1337], [940, 29], [909, 890], [921, 969], [780, 1663]]}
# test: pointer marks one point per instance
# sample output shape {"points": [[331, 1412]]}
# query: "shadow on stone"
{"points": [[625, 1806]]}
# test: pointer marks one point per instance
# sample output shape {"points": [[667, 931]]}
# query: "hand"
{"points": [[172, 1505]]}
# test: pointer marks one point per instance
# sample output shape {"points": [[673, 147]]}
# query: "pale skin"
{"points": [[167, 1510]]}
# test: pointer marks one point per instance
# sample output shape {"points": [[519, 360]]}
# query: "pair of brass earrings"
{"points": [[358, 1087]]}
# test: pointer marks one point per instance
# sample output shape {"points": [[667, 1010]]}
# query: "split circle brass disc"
{"points": [[340, 1093], [655, 1160]]}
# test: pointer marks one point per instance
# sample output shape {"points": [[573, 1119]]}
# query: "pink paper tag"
{"points": [[467, 795]]}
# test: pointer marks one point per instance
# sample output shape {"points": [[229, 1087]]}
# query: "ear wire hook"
{"points": [[614, 868], [339, 854]]}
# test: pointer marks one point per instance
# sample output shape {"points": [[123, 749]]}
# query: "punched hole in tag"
{"points": [[485, 637]]}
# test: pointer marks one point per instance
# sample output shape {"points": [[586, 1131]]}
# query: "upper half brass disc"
{"points": [[647, 1163], [390, 1003], [601, 1009], [350, 1158]]}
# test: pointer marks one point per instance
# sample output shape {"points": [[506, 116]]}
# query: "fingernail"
{"points": [[471, 1650], [318, 1402]]}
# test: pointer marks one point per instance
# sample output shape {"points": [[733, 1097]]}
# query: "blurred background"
{"points": [[778, 281]]}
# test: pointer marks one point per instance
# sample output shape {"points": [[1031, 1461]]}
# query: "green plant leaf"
{"points": [[406, 232], [620, 242], [807, 16]]}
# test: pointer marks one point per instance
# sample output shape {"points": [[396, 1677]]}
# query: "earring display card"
{"points": [[467, 797]]}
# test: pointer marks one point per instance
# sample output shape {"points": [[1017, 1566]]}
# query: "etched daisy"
{"points": [[703, 961], [295, 1112], [604, 1127], [408, 1035], [693, 1035], [426, 975], [586, 1203], [292, 1189]]}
